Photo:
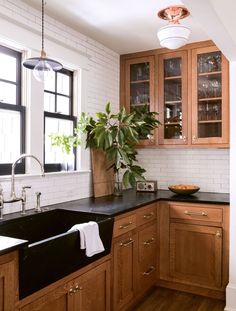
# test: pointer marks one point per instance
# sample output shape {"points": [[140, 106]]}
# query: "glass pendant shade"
{"points": [[173, 36], [42, 66]]}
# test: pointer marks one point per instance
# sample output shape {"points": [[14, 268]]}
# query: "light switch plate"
{"points": [[146, 186]]}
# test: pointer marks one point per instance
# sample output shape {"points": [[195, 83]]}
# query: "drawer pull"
{"points": [[147, 216], [148, 242], [71, 291], [149, 271], [189, 213], [125, 226], [130, 241], [218, 234]]}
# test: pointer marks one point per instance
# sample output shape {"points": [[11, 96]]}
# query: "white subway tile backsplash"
{"points": [[207, 168]]}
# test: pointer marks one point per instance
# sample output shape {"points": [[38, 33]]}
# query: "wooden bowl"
{"points": [[184, 189]]}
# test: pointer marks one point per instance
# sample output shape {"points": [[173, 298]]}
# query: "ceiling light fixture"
{"points": [[174, 35], [42, 66]]}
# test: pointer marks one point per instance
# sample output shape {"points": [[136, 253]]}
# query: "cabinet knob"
{"points": [[218, 234], [194, 138], [71, 291], [184, 138]]}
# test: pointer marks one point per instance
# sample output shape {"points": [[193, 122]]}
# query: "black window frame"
{"points": [[5, 168], [56, 167]]}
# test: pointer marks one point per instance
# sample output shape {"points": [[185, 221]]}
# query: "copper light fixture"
{"points": [[42, 66], [174, 35]]}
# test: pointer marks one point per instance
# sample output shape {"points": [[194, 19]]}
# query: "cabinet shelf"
{"points": [[211, 73], [209, 99], [173, 102], [139, 81], [173, 123], [173, 78], [210, 121]]}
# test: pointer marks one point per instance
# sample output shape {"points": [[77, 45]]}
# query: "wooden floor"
{"points": [[162, 299]]}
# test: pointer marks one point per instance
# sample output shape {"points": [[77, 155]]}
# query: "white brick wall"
{"points": [[207, 168], [102, 86]]}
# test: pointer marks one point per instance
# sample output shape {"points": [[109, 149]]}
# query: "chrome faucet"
{"points": [[13, 198]]}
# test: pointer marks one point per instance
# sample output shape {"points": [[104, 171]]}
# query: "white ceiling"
{"points": [[125, 26]]}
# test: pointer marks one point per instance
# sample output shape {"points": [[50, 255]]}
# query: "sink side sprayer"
{"points": [[13, 198]]}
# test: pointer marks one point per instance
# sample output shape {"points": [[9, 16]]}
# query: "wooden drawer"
{"points": [[147, 276], [147, 244], [196, 212], [146, 214], [124, 225]]}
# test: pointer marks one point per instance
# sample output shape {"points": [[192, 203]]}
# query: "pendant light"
{"points": [[42, 66], [174, 35]]}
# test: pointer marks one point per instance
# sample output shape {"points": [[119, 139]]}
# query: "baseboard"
{"points": [[230, 297]]}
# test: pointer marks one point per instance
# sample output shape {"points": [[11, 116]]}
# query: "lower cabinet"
{"points": [[88, 292], [134, 256], [194, 247], [196, 254], [8, 281]]}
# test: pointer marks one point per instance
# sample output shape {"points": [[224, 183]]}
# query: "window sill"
{"points": [[47, 175]]}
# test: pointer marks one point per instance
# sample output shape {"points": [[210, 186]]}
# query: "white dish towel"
{"points": [[89, 238]]}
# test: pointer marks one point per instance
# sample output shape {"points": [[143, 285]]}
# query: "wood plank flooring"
{"points": [[162, 299]]}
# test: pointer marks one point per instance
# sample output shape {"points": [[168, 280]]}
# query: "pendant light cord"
{"points": [[42, 25]]}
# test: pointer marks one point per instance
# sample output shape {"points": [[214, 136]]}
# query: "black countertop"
{"points": [[113, 206]]}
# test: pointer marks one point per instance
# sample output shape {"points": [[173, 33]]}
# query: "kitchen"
{"points": [[100, 70]]}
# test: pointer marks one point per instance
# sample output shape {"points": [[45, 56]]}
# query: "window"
{"points": [[12, 113], [58, 119]]}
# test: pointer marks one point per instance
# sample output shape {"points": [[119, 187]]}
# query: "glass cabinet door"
{"points": [[140, 87], [173, 101], [209, 97]]}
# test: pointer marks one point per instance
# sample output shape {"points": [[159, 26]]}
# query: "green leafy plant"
{"points": [[116, 135]]}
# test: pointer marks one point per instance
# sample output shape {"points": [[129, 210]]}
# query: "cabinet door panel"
{"points": [[173, 98], [196, 254], [209, 97], [124, 263]]}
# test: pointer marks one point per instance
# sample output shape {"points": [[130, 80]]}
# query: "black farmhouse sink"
{"points": [[52, 253]]}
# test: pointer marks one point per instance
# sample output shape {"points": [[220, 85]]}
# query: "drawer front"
{"points": [[124, 225], [148, 245], [146, 214], [147, 276], [200, 213]]}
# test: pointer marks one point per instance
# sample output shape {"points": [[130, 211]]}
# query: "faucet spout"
{"points": [[13, 194]]}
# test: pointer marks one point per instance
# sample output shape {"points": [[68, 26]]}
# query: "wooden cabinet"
{"points": [[138, 87], [134, 256], [88, 292], [124, 263], [8, 281], [194, 255], [191, 93], [210, 109], [173, 98]]}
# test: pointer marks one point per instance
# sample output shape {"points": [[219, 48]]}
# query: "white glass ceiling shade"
{"points": [[42, 66], [173, 36]]}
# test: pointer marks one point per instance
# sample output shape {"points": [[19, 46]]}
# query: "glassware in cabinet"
{"points": [[210, 97], [173, 98]]}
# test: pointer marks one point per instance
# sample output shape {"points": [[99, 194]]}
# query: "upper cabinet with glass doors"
{"points": [[173, 98], [139, 87], [210, 123], [190, 90]]}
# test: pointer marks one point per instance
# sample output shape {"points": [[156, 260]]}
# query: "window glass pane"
{"points": [[7, 93], [55, 154], [49, 102], [63, 84], [8, 67], [9, 135], [49, 82], [63, 105]]}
